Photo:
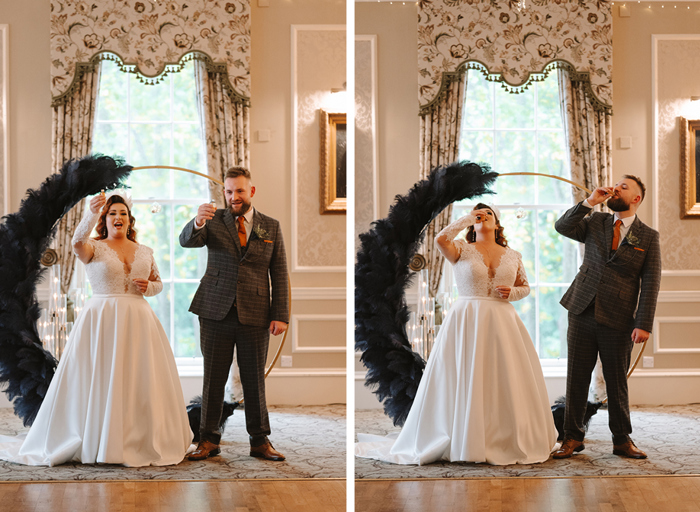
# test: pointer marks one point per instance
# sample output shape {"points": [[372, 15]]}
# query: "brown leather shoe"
{"points": [[266, 451], [629, 450], [567, 449], [204, 449]]}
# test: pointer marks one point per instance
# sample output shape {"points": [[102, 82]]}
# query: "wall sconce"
{"points": [[338, 100]]}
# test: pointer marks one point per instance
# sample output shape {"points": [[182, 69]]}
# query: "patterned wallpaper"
{"points": [[320, 58], [150, 35], [678, 74], [365, 156], [513, 43]]}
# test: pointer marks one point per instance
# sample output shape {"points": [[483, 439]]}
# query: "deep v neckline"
{"points": [[483, 261], [127, 265]]}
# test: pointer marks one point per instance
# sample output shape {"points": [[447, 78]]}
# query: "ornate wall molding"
{"points": [[151, 38], [516, 48]]}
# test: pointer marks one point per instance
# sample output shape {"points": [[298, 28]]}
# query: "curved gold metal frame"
{"points": [[641, 351], [284, 338]]}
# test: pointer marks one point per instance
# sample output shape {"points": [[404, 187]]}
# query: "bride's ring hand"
{"points": [[503, 291], [141, 284]]}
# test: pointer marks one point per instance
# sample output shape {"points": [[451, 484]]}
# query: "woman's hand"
{"points": [[503, 291], [141, 284], [97, 202]]}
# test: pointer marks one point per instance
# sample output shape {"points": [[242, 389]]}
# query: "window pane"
{"points": [[184, 104], [515, 152], [150, 102], [161, 305], [526, 311], [558, 254], [548, 106], [188, 154], [476, 146], [112, 99], [520, 234], [150, 145], [186, 335], [478, 110], [553, 323], [553, 159], [189, 263], [154, 231], [110, 139], [515, 110]]}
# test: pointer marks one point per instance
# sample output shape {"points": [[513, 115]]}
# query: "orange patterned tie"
{"points": [[616, 235], [241, 231]]}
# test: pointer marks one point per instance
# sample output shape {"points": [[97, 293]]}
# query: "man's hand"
{"points": [[599, 195], [640, 335], [205, 212], [277, 328]]}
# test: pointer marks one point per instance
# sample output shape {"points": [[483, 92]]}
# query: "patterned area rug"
{"points": [[311, 437], [670, 435]]}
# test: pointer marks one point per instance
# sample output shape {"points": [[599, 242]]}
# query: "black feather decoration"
{"points": [[382, 275], [559, 410], [194, 414], [25, 367]]}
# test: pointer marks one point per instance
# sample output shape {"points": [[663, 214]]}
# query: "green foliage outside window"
{"points": [[524, 133], [159, 125]]}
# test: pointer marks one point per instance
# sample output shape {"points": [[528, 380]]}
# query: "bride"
{"points": [[482, 397], [116, 396]]}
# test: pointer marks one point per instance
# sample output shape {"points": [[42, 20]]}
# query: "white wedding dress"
{"points": [[116, 396], [482, 397]]}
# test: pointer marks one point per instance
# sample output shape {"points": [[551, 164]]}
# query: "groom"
{"points": [[245, 256], [620, 274]]}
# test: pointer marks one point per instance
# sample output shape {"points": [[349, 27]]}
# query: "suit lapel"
{"points": [[230, 223], [254, 240], [609, 231]]}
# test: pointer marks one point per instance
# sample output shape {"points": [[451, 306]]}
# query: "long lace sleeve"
{"points": [[521, 288], [83, 230], [452, 230], [155, 285]]}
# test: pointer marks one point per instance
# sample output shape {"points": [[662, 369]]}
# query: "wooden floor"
{"points": [[235, 496], [635, 494]]}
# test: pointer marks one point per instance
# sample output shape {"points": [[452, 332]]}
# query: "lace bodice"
{"points": [[473, 279], [108, 275]]}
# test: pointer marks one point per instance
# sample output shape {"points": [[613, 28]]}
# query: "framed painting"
{"points": [[333, 130], [690, 167]]}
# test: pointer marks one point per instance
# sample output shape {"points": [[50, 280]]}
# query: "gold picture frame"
{"points": [[333, 162], [690, 168]]}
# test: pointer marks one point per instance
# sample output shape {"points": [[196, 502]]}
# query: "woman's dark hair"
{"points": [[102, 224], [500, 237]]}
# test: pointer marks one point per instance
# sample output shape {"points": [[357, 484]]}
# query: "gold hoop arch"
{"points": [[577, 185], [289, 287]]}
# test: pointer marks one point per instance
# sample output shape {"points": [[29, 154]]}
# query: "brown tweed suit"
{"points": [[613, 293], [235, 308]]}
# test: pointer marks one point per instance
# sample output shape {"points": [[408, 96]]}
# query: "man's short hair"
{"points": [[235, 172], [638, 181]]}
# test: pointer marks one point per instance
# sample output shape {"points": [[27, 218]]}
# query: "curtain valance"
{"points": [[515, 47], [149, 39]]}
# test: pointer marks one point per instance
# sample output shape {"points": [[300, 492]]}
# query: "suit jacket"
{"points": [[621, 282], [244, 279]]}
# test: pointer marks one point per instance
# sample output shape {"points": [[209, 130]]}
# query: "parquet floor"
{"points": [[633, 494], [211, 496]]}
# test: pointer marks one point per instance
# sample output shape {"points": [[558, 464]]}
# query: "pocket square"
{"points": [[267, 241], [638, 249]]}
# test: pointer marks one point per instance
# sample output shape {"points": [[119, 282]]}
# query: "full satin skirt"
{"points": [[482, 397], [116, 396]]}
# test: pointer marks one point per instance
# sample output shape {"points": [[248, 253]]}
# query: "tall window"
{"points": [[159, 125], [524, 133]]}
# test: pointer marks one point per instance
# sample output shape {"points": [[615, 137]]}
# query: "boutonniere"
{"points": [[631, 239], [262, 234]]}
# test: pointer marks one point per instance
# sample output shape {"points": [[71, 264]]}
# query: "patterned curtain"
{"points": [[440, 124], [588, 131], [73, 121], [225, 117]]}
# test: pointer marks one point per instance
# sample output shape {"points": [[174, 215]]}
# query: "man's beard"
{"points": [[240, 209], [617, 204]]}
